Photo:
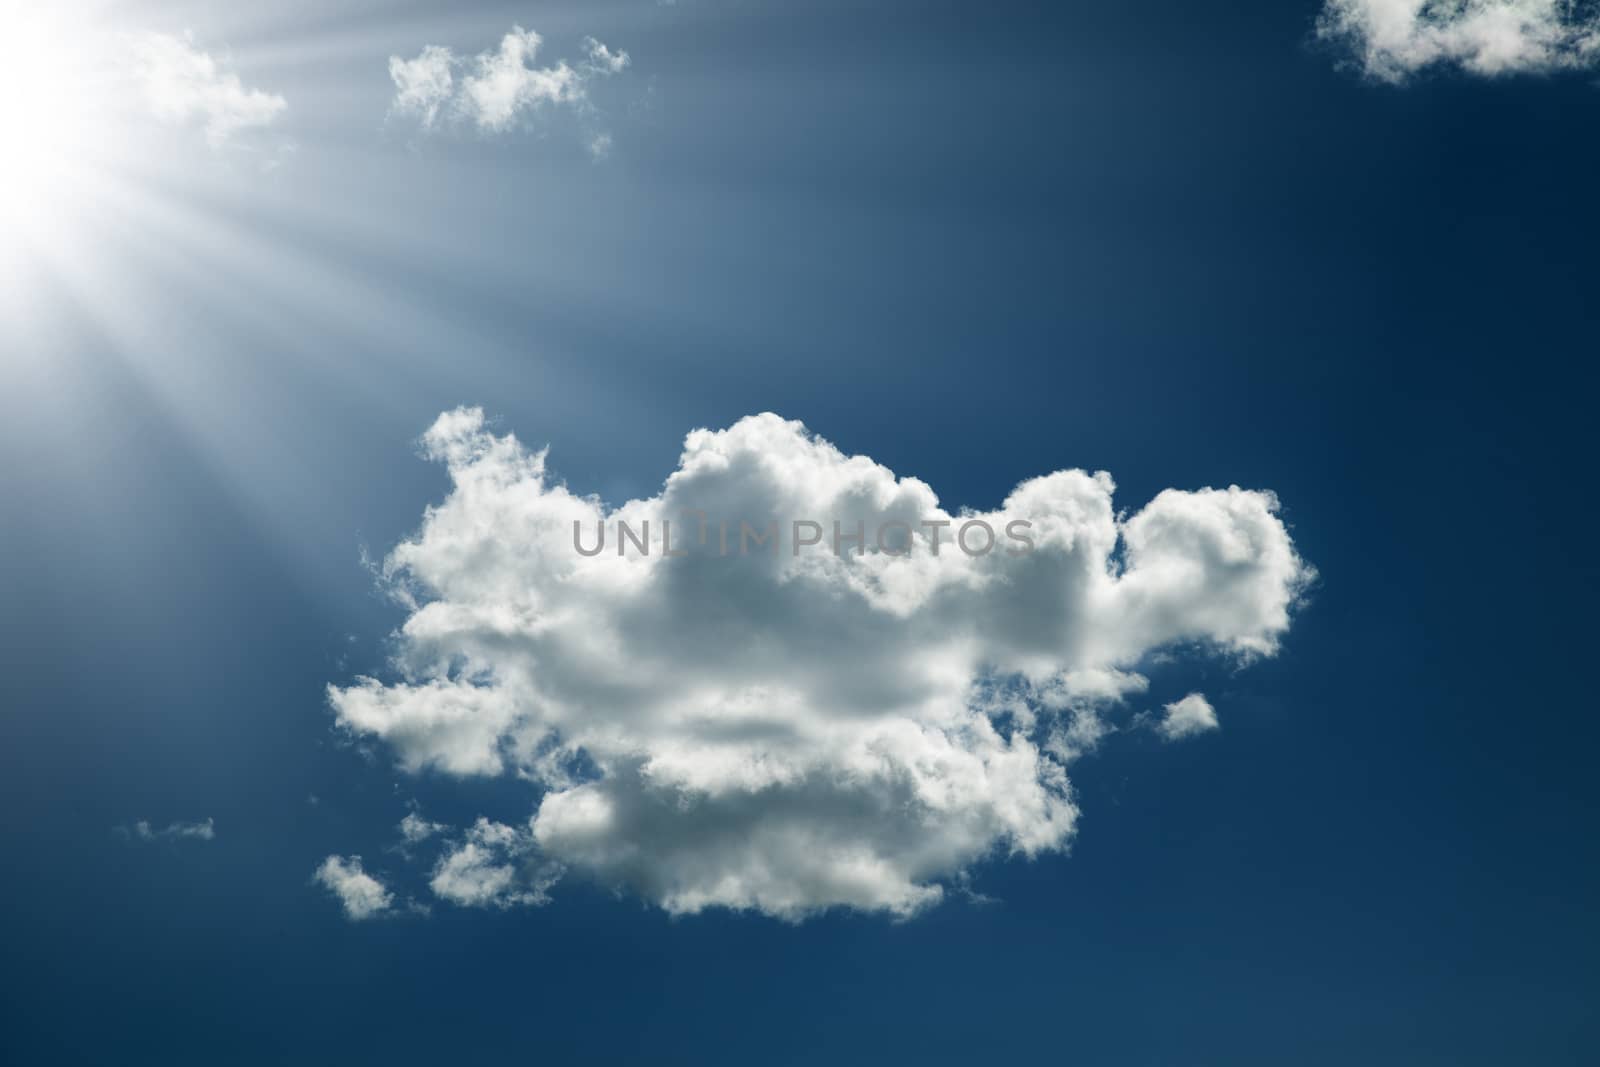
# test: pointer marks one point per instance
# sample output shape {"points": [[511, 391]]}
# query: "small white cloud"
{"points": [[485, 869], [1394, 39], [182, 84], [204, 830], [603, 60], [362, 895], [415, 828], [1187, 717], [600, 145], [497, 89]]}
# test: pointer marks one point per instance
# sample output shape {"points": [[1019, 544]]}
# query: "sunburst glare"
{"points": [[59, 109]]}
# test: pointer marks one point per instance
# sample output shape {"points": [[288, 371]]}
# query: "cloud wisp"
{"points": [[182, 84], [777, 730], [499, 89], [204, 830], [1394, 39]]}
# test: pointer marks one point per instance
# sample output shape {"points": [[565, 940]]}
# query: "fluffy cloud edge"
{"points": [[1396, 39]]}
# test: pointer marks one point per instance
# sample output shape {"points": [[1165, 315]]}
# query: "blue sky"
{"points": [[1190, 246]]}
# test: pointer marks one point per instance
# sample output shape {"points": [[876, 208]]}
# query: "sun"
{"points": [[65, 144], [56, 106], [109, 127]]}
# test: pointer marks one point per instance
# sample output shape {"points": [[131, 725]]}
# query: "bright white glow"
{"points": [[93, 115], [51, 125]]}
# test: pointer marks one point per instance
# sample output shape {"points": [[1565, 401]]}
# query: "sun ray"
{"points": [[198, 273]]}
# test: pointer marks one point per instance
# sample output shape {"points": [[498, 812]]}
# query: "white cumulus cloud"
{"points": [[1396, 38], [182, 84], [496, 89], [361, 895], [1187, 717], [785, 730]]}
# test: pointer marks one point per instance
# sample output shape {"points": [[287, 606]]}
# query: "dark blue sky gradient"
{"points": [[978, 243]]}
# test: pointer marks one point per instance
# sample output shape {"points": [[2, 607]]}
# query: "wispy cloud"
{"points": [[424, 84], [204, 830], [1394, 39], [182, 84], [499, 88]]}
